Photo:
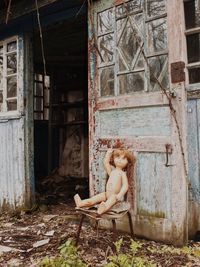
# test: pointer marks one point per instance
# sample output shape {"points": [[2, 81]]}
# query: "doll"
{"points": [[117, 184]]}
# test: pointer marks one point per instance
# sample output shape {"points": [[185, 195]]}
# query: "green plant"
{"points": [[69, 257], [128, 260]]}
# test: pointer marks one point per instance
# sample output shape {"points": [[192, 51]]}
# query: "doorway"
{"points": [[61, 111]]}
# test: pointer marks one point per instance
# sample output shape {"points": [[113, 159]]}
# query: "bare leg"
{"points": [[105, 206], [89, 202]]}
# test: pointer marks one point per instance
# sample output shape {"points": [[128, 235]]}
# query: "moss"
{"points": [[158, 214]]}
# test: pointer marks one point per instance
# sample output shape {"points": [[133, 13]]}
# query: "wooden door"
{"points": [[134, 105], [15, 159]]}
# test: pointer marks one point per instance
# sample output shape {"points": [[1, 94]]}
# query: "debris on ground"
{"points": [[54, 188], [26, 239]]}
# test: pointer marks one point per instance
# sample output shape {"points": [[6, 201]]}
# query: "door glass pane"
{"points": [[157, 35], [107, 81], [38, 89], [12, 104], [194, 75], [192, 13], [12, 46], [11, 86], [155, 7], [158, 70], [193, 47], [12, 64], [128, 8], [129, 44], [139, 62], [105, 21], [106, 47], [38, 104], [133, 82]]}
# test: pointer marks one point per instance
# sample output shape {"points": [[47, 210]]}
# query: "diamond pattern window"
{"points": [[132, 40]]}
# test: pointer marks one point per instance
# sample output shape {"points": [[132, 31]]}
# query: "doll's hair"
{"points": [[126, 153]]}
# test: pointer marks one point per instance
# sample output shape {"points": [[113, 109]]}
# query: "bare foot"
{"points": [[101, 208], [77, 200]]}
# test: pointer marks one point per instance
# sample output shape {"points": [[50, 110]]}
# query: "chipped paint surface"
{"points": [[12, 176], [14, 185], [151, 200], [142, 123], [146, 121], [193, 113]]}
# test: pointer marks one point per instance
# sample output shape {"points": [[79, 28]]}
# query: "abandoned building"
{"points": [[78, 77]]}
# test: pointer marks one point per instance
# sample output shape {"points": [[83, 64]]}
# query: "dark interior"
{"points": [[61, 110]]}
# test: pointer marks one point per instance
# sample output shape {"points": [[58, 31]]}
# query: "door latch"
{"points": [[169, 150]]}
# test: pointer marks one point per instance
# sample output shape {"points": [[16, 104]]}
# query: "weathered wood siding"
{"points": [[193, 139], [12, 162], [16, 138], [152, 175], [132, 122]]}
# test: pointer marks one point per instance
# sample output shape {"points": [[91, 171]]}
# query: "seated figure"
{"points": [[117, 184]]}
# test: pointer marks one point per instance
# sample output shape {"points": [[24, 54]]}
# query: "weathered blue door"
{"points": [[131, 106], [14, 132]]}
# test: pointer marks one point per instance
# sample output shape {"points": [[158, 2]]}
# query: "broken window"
{"points": [[8, 75], [41, 97], [132, 40], [192, 24]]}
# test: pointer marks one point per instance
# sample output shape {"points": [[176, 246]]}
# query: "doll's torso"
{"points": [[114, 183]]}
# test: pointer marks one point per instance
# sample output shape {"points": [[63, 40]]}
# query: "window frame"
{"points": [[188, 32], [43, 98], [115, 62], [12, 114]]}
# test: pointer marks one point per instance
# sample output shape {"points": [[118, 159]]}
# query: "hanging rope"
{"points": [[41, 38], [8, 11]]}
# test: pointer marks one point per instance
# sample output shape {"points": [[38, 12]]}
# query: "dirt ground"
{"points": [[21, 232]]}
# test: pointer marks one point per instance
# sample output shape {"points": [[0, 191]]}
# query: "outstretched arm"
{"points": [[106, 161], [124, 188]]}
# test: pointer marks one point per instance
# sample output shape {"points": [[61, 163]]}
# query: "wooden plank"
{"points": [[193, 143], [154, 175], [132, 122], [197, 133], [178, 52], [142, 144], [136, 100]]}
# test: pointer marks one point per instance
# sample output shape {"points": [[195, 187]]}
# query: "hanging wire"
{"points": [[41, 38], [8, 11], [169, 98], [79, 11]]}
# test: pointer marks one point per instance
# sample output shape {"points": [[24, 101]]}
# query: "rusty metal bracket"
{"points": [[168, 151]]}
